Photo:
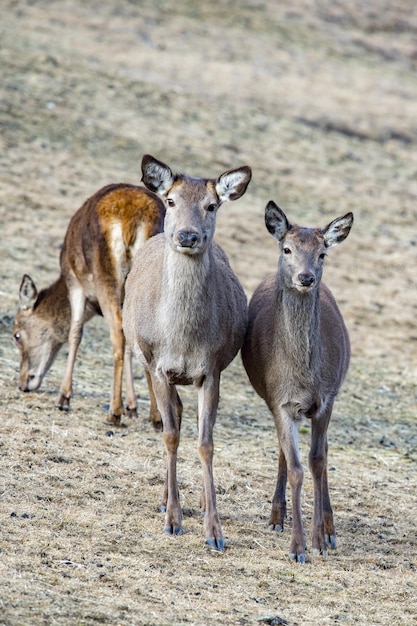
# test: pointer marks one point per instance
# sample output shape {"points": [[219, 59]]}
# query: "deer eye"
{"points": [[322, 256], [16, 336], [286, 251], [170, 202], [211, 208]]}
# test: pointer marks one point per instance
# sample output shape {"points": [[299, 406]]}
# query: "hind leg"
{"points": [[279, 503], [78, 303]]}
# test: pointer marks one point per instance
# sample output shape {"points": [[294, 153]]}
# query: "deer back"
{"points": [[104, 235]]}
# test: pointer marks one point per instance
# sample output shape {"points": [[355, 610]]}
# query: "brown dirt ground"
{"points": [[320, 99]]}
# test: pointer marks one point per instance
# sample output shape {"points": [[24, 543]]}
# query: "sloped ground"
{"points": [[319, 98]]}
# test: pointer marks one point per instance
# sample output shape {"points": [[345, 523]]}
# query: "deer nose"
{"points": [[306, 279], [187, 239]]}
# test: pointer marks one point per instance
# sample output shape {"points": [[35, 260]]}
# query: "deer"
{"points": [[99, 245], [296, 354], [185, 316]]}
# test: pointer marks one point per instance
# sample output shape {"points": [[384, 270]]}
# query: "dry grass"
{"points": [[320, 100], [82, 537]]}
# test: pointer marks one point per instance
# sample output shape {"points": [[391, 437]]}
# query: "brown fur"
{"points": [[95, 259], [296, 353]]}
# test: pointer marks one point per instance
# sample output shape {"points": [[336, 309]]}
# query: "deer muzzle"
{"points": [[32, 382], [188, 239], [306, 279]]}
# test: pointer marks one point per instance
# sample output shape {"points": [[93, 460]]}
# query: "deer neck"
{"points": [[186, 283], [53, 303], [299, 320]]}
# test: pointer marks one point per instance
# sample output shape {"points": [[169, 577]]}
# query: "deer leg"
{"points": [[131, 404], [167, 401], [288, 438], [279, 503], [77, 302], [329, 528], [323, 531], [110, 304], [178, 402], [113, 315], [131, 401], [208, 400], [154, 415]]}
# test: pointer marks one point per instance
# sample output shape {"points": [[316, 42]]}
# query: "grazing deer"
{"points": [[99, 245], [185, 315], [296, 354]]}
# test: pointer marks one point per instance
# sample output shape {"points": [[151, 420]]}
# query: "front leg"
{"points": [[179, 407], [167, 401], [208, 400], [288, 438], [323, 530]]}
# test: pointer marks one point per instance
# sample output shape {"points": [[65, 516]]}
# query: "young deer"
{"points": [[296, 354], [185, 315], [99, 245]]}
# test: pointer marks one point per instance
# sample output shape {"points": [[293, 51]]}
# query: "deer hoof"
{"points": [[299, 558], [131, 412], [331, 541], [63, 402], [158, 426], [216, 544], [277, 528], [318, 552], [173, 530], [114, 419]]}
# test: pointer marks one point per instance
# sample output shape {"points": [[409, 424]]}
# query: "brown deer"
{"points": [[99, 245], [296, 354], [185, 316]]}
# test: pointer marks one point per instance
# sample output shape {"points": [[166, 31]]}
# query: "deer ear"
{"points": [[276, 220], [232, 184], [28, 294], [338, 230], [156, 176]]}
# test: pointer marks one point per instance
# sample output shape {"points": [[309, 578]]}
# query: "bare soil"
{"points": [[320, 99]]}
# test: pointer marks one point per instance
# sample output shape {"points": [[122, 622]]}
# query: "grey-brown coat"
{"points": [[296, 353], [185, 315]]}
